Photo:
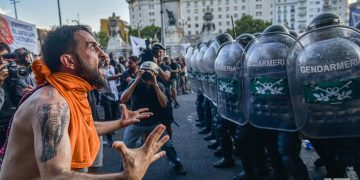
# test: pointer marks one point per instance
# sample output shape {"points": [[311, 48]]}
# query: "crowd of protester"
{"points": [[150, 100], [56, 108]]}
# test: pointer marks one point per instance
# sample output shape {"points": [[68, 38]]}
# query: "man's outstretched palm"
{"points": [[137, 161], [129, 117]]}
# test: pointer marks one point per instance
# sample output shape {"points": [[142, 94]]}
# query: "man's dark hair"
{"points": [[4, 46], [134, 58], [60, 41]]}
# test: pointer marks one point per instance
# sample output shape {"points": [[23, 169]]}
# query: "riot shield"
{"points": [[267, 99], [229, 82], [188, 55], [200, 66], [210, 88], [194, 83], [324, 81]]}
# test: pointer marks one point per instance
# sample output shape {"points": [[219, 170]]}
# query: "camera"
{"points": [[17, 72], [146, 76], [9, 56]]}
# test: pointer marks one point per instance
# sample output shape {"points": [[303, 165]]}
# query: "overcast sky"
{"points": [[44, 13]]}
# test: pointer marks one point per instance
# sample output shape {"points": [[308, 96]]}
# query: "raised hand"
{"points": [[129, 117], [137, 161]]}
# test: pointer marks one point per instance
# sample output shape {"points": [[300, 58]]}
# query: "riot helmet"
{"points": [[223, 38], [245, 39], [276, 28], [325, 19], [257, 34], [294, 33]]}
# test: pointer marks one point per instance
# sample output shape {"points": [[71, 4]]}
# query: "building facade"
{"points": [[297, 14], [190, 18]]}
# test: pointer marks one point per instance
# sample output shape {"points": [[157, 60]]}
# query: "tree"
{"points": [[146, 32], [249, 25], [103, 39]]}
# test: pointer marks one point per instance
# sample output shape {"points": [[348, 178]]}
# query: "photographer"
{"points": [[24, 60], [7, 109], [146, 92]]}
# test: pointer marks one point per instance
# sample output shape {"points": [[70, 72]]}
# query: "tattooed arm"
{"points": [[53, 152]]}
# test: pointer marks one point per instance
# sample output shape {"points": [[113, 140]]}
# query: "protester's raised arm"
{"points": [[128, 117]]}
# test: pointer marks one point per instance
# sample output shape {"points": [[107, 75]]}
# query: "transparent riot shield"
{"points": [[229, 82], [324, 81], [267, 98], [200, 66], [188, 55], [194, 83], [210, 88]]}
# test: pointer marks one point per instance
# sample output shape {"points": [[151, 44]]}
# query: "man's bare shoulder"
{"points": [[44, 99], [44, 96]]}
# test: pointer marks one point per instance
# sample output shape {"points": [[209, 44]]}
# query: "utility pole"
{"points": [[14, 3], [78, 17], [59, 9], [162, 24], [139, 29]]}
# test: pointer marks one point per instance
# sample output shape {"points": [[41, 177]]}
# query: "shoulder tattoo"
{"points": [[52, 119]]}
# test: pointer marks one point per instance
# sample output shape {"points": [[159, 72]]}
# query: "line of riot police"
{"points": [[264, 94]]}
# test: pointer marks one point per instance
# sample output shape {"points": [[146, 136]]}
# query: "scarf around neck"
{"points": [[83, 136]]}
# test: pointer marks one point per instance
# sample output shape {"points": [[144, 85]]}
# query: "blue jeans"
{"points": [[134, 132]]}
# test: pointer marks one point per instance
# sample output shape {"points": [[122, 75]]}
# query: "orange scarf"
{"points": [[83, 136]]}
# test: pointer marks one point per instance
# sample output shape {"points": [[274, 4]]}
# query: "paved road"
{"points": [[192, 150]]}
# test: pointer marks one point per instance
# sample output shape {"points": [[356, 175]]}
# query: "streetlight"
{"points": [[14, 2]]}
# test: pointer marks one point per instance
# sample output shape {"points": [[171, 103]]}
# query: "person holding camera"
{"points": [[4, 73], [25, 59], [53, 134], [7, 109], [146, 92]]}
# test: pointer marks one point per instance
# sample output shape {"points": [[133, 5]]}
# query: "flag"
{"points": [[354, 14], [137, 44]]}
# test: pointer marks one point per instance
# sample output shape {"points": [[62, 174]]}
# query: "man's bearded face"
{"points": [[91, 74]]}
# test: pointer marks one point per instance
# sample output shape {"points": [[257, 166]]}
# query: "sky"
{"points": [[44, 13]]}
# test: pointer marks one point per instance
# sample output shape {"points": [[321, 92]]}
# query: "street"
{"points": [[192, 149]]}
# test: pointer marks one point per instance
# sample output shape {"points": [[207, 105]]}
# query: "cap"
{"points": [[151, 66], [158, 46]]}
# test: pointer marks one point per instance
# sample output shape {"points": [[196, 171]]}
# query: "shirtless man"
{"points": [[39, 145]]}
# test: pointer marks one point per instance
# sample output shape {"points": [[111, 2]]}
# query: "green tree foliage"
{"points": [[249, 25], [146, 32], [103, 39]]}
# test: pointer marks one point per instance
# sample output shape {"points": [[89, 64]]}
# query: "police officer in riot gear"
{"points": [[268, 103], [322, 89], [248, 141]]}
